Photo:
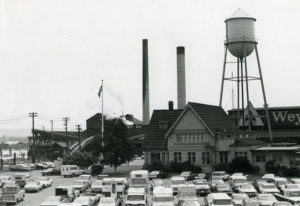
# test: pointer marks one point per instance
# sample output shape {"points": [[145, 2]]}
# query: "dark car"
{"points": [[41, 166], [50, 171]]}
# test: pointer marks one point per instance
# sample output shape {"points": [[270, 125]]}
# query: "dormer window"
{"points": [[163, 125]]}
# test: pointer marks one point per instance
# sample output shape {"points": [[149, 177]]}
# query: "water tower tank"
{"points": [[240, 34]]}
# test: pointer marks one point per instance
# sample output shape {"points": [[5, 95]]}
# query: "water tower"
{"points": [[241, 42]]}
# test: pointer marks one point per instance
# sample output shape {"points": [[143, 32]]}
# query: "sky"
{"points": [[54, 54]]}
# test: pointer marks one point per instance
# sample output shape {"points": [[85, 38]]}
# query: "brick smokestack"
{"points": [[181, 92], [146, 107]]}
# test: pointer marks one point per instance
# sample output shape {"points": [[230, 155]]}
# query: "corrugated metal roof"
{"points": [[240, 14]]}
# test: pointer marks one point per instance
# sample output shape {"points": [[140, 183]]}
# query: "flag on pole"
{"points": [[100, 91]]}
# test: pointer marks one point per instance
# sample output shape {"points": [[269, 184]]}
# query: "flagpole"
{"points": [[102, 122]]}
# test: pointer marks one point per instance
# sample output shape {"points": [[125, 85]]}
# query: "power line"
{"points": [[78, 126]]}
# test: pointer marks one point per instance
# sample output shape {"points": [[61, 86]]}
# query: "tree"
{"points": [[117, 149], [82, 159]]}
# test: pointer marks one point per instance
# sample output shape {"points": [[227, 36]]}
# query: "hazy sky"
{"points": [[54, 53]]}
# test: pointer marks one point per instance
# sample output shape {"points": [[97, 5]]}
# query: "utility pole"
{"points": [[51, 128], [33, 115], [78, 126], [66, 120]]}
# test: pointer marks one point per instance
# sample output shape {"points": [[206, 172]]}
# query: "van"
{"points": [[176, 182], [71, 170], [22, 178], [136, 196], [219, 199], [162, 196]]}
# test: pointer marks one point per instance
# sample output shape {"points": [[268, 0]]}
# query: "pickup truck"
{"points": [[12, 194], [290, 195]]}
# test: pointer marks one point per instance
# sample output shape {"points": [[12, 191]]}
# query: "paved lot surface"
{"points": [[35, 199]]}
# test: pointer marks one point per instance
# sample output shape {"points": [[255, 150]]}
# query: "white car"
{"points": [[52, 201], [202, 187], [238, 198], [85, 200], [247, 189], [88, 178], [45, 181], [268, 177], [266, 199], [33, 186], [214, 182], [220, 175], [107, 201], [80, 185], [97, 186], [268, 188]]}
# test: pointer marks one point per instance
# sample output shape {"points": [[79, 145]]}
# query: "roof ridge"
{"points": [[204, 104]]}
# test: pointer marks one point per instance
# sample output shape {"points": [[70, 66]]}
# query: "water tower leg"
{"points": [[223, 76], [247, 91], [238, 92], [242, 88], [264, 95]]}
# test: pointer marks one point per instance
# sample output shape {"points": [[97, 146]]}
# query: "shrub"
{"points": [[270, 167], [179, 167], [237, 165], [82, 159], [96, 169], [156, 166], [224, 167]]}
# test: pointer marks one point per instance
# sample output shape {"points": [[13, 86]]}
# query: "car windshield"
{"points": [[223, 186], [162, 199], [177, 182], [239, 196], [191, 203], [295, 194], [53, 199], [82, 200], [97, 183], [135, 197], [247, 186], [240, 181], [282, 182], [185, 173], [222, 202], [43, 178], [107, 200], [154, 173], [269, 186], [266, 198], [138, 181], [200, 183]]}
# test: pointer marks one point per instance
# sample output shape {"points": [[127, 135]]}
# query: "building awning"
{"points": [[276, 149]]}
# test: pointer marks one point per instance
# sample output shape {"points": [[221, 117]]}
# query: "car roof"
{"points": [[220, 196]]}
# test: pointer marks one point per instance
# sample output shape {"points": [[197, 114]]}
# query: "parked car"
{"points": [[219, 199], [188, 176], [280, 182], [45, 181], [258, 182], [97, 186], [201, 176], [156, 183], [88, 178], [12, 193], [50, 171], [238, 198], [54, 200], [80, 185], [33, 186], [157, 174], [107, 201], [3, 179], [22, 178], [86, 200], [220, 175], [224, 188], [41, 166], [268, 177], [19, 167], [202, 187], [266, 199], [250, 202], [247, 189], [214, 182], [268, 188], [236, 181], [282, 203], [189, 203]]}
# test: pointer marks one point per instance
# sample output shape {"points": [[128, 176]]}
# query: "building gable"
{"points": [[189, 121]]}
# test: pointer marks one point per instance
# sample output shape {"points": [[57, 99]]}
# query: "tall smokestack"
{"points": [[181, 96], [146, 108]]}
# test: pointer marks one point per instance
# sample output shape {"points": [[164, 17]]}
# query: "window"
{"points": [[223, 157], [242, 155], [206, 158], [177, 156], [163, 157], [260, 158], [163, 125], [155, 157], [178, 139], [277, 158], [191, 157]]}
